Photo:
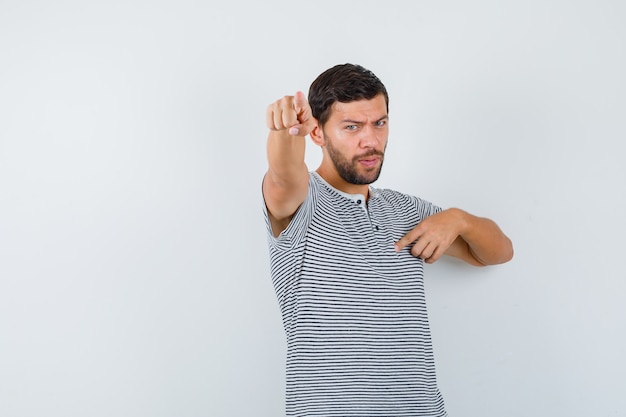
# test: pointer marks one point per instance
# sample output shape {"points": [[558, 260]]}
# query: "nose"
{"points": [[369, 138]]}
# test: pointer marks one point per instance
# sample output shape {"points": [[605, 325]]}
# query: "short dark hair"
{"points": [[343, 83]]}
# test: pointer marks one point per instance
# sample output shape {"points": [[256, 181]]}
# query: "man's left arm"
{"points": [[454, 232]]}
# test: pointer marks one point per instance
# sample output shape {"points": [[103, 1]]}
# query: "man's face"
{"points": [[356, 137]]}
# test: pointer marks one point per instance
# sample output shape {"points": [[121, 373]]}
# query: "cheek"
{"points": [[383, 137]]}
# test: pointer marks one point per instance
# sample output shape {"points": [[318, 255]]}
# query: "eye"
{"points": [[351, 127], [381, 123]]}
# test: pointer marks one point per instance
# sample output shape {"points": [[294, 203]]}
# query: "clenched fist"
{"points": [[292, 113]]}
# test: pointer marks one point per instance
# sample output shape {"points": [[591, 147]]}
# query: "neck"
{"points": [[334, 179]]}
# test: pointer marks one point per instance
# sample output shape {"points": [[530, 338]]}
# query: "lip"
{"points": [[369, 162]]}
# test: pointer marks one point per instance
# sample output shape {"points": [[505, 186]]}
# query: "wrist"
{"points": [[461, 219]]}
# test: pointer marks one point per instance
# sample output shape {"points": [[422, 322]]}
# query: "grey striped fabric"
{"points": [[354, 310]]}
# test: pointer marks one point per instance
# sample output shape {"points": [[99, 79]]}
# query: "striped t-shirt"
{"points": [[354, 310]]}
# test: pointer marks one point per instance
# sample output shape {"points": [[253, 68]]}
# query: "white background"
{"points": [[134, 277]]}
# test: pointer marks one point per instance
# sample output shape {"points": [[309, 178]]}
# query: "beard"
{"points": [[348, 169]]}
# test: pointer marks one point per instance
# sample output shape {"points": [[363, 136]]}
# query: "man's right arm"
{"points": [[285, 185]]}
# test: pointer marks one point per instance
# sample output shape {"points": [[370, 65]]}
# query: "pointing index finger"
{"points": [[405, 240], [299, 102]]}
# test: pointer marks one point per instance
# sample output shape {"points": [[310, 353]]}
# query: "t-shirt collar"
{"points": [[357, 198]]}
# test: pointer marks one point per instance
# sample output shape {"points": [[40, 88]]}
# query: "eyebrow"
{"points": [[357, 122]]}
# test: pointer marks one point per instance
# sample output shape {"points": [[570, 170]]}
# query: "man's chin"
{"points": [[367, 178], [373, 175]]}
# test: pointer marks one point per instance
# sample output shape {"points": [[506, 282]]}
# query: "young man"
{"points": [[347, 258]]}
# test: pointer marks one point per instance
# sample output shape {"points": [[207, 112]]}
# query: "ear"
{"points": [[317, 135]]}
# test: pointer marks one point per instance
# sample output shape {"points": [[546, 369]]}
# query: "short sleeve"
{"points": [[295, 232]]}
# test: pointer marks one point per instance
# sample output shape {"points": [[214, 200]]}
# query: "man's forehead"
{"points": [[357, 109]]}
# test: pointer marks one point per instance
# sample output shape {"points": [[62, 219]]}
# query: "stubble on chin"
{"points": [[348, 170], [353, 173]]}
